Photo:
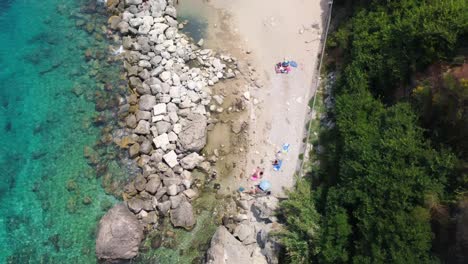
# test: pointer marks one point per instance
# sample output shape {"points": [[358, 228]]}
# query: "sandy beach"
{"points": [[263, 33]]}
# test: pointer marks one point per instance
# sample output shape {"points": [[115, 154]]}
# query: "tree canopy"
{"points": [[372, 202]]}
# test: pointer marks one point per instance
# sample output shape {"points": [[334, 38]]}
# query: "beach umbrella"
{"points": [[293, 63], [265, 185]]}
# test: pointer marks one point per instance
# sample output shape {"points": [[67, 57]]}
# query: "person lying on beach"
{"points": [[258, 174], [257, 190]]}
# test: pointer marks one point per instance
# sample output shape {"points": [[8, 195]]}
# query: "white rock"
{"points": [[171, 159], [177, 128], [187, 183], [126, 16], [190, 161], [144, 29], [194, 97], [175, 90], [171, 49], [165, 76], [201, 42], [176, 79], [172, 190], [199, 109], [191, 84], [158, 28], [157, 118], [135, 22], [185, 104], [218, 99], [190, 193], [172, 136], [186, 175], [144, 64], [246, 95], [161, 141], [173, 117], [167, 42], [160, 109], [218, 65], [148, 20]]}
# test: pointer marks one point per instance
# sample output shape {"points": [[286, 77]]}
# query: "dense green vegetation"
{"points": [[398, 148]]}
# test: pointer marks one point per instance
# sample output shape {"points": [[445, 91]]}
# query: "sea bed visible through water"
{"points": [[60, 171], [53, 68]]}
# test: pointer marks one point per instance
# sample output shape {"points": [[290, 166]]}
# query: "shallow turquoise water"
{"points": [[50, 198]]}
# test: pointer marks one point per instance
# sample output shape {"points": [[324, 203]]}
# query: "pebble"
{"points": [[246, 95], [201, 42]]}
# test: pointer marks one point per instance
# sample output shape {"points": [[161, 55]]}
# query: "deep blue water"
{"points": [[50, 196]]}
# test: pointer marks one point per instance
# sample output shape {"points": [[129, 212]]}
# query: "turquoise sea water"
{"points": [[50, 74]]}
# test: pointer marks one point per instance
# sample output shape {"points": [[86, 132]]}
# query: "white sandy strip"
{"points": [[273, 30]]}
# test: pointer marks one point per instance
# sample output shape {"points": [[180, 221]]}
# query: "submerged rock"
{"points": [[119, 235]]}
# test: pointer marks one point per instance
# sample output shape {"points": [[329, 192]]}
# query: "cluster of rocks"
{"points": [[245, 237], [169, 111]]}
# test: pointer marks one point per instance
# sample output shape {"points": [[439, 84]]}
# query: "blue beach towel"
{"points": [[277, 167], [264, 185], [293, 64], [285, 148]]}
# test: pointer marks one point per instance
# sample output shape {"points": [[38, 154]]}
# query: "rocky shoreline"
{"points": [[169, 110], [246, 237]]}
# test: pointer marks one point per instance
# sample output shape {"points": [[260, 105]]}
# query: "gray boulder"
{"points": [[245, 233], [193, 134], [175, 201], [164, 207], [143, 115], [147, 102], [131, 121], [119, 235], [190, 161], [133, 2], [265, 207], [226, 249], [140, 182], [163, 127], [123, 27], [153, 185], [158, 7], [136, 205], [143, 127], [146, 147], [171, 11], [182, 216], [134, 150]]}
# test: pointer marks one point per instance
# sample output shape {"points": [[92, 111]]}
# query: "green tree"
{"points": [[302, 221]]}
